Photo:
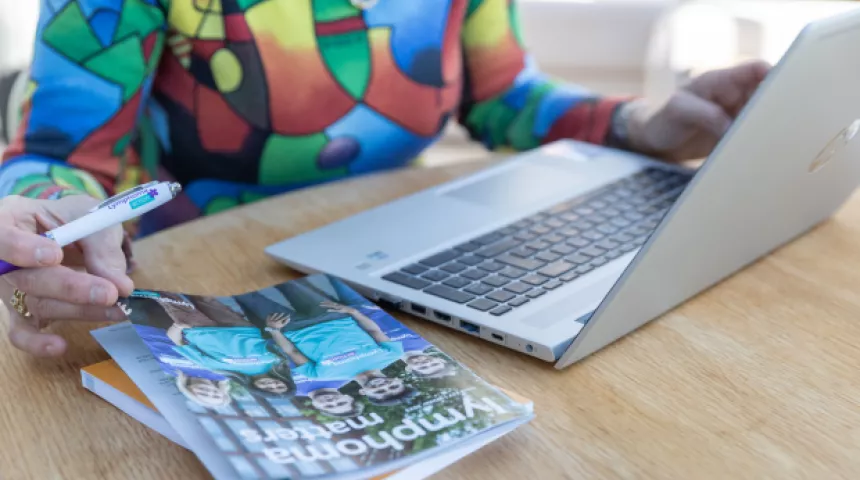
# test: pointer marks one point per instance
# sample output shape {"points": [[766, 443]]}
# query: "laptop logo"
{"points": [[834, 146]]}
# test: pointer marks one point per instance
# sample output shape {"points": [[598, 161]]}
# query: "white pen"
{"points": [[113, 211]]}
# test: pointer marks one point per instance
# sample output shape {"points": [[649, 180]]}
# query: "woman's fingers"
{"points": [[24, 336], [26, 249], [49, 310], [104, 256], [65, 284]]}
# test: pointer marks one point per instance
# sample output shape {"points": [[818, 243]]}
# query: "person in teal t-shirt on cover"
{"points": [[341, 348], [239, 352]]}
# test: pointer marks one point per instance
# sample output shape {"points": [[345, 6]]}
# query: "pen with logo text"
{"points": [[113, 211]]}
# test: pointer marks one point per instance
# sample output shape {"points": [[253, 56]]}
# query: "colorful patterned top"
{"points": [[241, 99]]}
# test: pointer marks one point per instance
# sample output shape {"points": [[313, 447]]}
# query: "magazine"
{"points": [[107, 380], [308, 379]]}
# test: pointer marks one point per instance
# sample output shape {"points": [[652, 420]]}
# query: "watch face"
{"points": [[363, 4]]}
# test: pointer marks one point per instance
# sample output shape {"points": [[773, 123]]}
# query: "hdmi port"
{"points": [[442, 316]]}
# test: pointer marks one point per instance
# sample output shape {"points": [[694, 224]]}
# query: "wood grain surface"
{"points": [[755, 378]]}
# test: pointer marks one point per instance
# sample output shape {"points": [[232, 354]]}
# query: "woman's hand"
{"points": [[277, 320], [696, 117], [55, 290]]}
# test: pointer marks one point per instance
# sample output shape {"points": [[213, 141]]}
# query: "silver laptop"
{"points": [[561, 251]]}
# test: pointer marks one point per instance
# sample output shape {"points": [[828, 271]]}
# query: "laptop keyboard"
{"points": [[507, 268]]}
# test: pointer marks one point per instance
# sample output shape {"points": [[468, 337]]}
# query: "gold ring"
{"points": [[19, 303]]}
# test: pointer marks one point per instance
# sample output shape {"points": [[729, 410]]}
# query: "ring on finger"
{"points": [[19, 303]]}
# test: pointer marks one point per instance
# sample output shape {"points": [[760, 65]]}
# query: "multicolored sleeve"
{"points": [[508, 102], [91, 74]]}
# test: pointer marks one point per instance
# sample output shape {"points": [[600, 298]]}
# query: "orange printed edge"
{"points": [[109, 372]]}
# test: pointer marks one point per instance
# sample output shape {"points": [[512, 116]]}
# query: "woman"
{"points": [[240, 99]]}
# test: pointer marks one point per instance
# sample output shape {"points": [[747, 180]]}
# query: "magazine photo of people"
{"points": [[311, 364]]}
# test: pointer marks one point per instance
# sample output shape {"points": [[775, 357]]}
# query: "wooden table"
{"points": [[756, 378]]}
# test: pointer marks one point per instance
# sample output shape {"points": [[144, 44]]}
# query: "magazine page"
{"points": [[124, 345], [308, 379]]}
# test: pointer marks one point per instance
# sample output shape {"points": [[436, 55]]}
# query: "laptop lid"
{"points": [[788, 162]]}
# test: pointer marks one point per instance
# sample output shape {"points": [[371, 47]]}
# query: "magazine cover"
{"points": [[309, 379]]}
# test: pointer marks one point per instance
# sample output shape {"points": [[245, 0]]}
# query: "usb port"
{"points": [[470, 327], [387, 304], [442, 316], [497, 337], [420, 309]]}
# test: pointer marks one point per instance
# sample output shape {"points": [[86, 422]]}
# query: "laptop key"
{"points": [[525, 223], [553, 223], [592, 251], [518, 288], [578, 259], [569, 276], [478, 289], [598, 219], [491, 266], [578, 242], [496, 281], [435, 276], [633, 216], [471, 260], [628, 247], [540, 229], [620, 222], [449, 293], [569, 232], [593, 235], [553, 284], [537, 245], [599, 261], [613, 254], [525, 236], [556, 268], [489, 238], [482, 304], [499, 311], [518, 302], [553, 238], [622, 237], [415, 269], [535, 279], [440, 258], [500, 296], [522, 252], [405, 280], [547, 257], [456, 282], [468, 247], [562, 249], [607, 244], [512, 272], [583, 269], [454, 267], [497, 248], [536, 293], [522, 263], [474, 274]]}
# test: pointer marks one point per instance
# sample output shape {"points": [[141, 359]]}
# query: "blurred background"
{"points": [[618, 47]]}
